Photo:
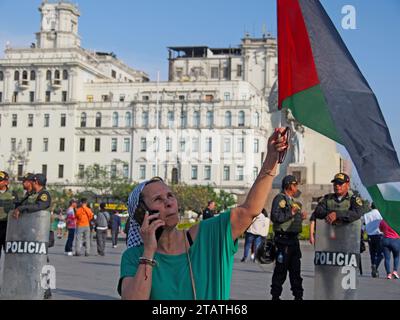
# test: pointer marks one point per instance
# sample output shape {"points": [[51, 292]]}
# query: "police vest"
{"points": [[294, 224], [342, 206], [6, 204]]}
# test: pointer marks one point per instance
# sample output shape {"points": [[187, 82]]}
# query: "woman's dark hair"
{"points": [[142, 207]]}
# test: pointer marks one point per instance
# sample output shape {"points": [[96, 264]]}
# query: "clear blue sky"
{"points": [[140, 31]]}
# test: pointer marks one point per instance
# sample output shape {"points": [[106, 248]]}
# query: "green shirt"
{"points": [[212, 262]]}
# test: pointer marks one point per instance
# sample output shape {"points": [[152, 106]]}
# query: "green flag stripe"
{"points": [[388, 209], [310, 109]]}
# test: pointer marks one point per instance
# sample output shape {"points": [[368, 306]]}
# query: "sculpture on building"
{"points": [[297, 137]]}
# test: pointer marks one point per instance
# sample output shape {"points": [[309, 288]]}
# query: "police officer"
{"points": [[42, 201], [342, 206], [287, 217], [6, 205], [27, 184]]}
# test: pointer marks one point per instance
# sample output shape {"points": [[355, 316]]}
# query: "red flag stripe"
{"points": [[296, 66]]}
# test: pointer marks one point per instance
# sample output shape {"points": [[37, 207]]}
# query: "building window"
{"points": [[1, 76], [239, 70], [125, 171], [29, 144], [153, 170], [16, 75], [14, 120], [240, 145], [64, 96], [15, 97], [145, 98], [114, 144], [20, 170], [45, 144], [195, 145], [83, 119], [48, 96], [239, 173], [30, 120], [33, 75], [169, 144], [142, 172], [208, 144], [241, 119], [48, 75], [196, 119], [13, 144], [44, 169], [113, 171], [81, 171], [256, 119], [57, 75], [184, 120], [227, 173], [97, 145], [115, 119], [98, 120], [62, 144], [65, 75], [105, 98], [182, 144], [127, 145], [1, 97], [256, 145], [145, 119], [46, 120], [255, 173], [181, 97], [31, 96], [227, 145], [143, 144], [82, 144], [227, 96], [228, 119], [194, 172], [122, 97], [114, 74], [209, 97], [128, 119], [214, 73], [63, 119], [225, 72], [207, 172], [210, 119], [60, 171], [171, 119]]}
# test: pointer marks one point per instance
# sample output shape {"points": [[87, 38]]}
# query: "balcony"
{"points": [[56, 83], [23, 84]]}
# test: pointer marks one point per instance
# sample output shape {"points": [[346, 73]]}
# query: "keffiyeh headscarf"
{"points": [[134, 237]]}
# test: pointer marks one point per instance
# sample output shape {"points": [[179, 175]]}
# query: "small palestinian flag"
{"points": [[322, 85]]}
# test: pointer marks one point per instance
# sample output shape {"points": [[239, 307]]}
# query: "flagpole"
{"points": [[157, 121]]}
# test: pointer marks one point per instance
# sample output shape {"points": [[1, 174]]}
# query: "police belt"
{"points": [[286, 235]]}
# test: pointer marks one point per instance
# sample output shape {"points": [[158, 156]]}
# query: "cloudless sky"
{"points": [[139, 32]]}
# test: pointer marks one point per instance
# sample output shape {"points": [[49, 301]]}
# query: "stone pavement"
{"points": [[96, 277]]}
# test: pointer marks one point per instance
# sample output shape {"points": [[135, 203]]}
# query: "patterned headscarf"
{"points": [[134, 237]]}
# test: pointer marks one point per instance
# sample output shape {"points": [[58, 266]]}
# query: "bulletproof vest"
{"points": [[6, 204], [293, 225], [342, 206]]}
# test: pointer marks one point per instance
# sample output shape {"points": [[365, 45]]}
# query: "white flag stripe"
{"points": [[390, 191]]}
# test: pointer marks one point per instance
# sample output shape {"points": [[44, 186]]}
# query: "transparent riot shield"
{"points": [[26, 256], [336, 260]]}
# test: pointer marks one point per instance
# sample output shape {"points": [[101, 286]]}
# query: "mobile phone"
{"points": [[159, 230]]}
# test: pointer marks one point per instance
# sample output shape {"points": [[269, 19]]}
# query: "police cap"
{"points": [[3, 175], [40, 178], [341, 178], [28, 177], [288, 180]]}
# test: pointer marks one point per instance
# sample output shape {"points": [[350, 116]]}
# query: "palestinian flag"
{"points": [[321, 84]]}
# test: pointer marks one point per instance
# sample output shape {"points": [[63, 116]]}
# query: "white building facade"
{"points": [[64, 108]]}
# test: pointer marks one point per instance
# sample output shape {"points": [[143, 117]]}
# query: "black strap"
{"points": [[189, 237]]}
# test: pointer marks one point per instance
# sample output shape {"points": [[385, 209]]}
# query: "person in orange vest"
{"points": [[83, 217]]}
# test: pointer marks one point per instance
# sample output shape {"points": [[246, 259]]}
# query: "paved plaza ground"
{"points": [[95, 277]]}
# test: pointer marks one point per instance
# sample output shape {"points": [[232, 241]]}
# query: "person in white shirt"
{"points": [[254, 234], [371, 221]]}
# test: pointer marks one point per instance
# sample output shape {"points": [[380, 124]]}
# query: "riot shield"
{"points": [[336, 260], [26, 256]]}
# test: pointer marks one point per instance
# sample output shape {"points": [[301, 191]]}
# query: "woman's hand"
{"points": [[277, 142], [148, 232]]}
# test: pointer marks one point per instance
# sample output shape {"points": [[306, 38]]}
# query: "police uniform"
{"points": [[286, 228], [27, 197], [43, 198], [6, 205], [348, 208]]}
